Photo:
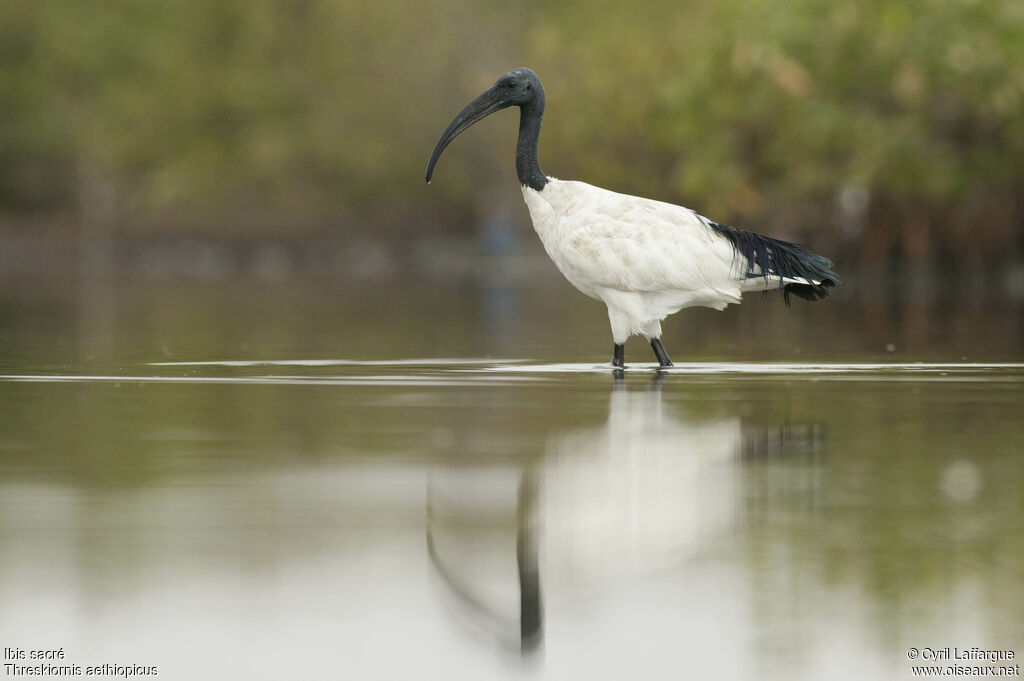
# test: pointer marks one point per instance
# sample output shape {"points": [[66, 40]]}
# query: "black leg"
{"points": [[659, 352], [619, 355]]}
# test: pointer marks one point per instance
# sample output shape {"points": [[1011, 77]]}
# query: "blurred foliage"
{"points": [[893, 126], [900, 121]]}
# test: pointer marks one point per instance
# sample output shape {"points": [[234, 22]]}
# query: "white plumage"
{"points": [[645, 259]]}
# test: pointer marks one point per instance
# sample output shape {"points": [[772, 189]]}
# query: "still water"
{"points": [[311, 480]]}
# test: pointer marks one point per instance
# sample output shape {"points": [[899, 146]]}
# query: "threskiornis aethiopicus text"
{"points": [[645, 259]]}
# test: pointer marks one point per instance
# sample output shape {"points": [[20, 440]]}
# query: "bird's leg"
{"points": [[659, 352], [619, 355]]}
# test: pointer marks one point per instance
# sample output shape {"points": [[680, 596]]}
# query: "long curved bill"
{"points": [[481, 107]]}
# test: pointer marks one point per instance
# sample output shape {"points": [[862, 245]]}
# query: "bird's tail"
{"points": [[799, 271]]}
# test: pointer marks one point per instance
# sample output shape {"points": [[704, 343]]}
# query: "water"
{"points": [[315, 479]]}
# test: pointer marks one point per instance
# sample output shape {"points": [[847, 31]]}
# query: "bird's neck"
{"points": [[527, 165]]}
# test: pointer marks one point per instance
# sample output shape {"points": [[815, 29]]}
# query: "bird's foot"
{"points": [[659, 352]]}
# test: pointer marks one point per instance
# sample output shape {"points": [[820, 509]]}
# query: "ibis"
{"points": [[644, 259]]}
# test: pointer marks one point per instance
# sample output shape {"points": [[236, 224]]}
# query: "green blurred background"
{"points": [[880, 131]]}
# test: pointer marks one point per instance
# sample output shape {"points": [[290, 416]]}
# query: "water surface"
{"points": [[252, 488]]}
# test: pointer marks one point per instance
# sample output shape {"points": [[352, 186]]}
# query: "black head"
{"points": [[520, 87]]}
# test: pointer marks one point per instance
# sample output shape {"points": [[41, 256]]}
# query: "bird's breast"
{"points": [[554, 214]]}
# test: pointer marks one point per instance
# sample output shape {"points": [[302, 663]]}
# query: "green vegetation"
{"points": [[893, 126]]}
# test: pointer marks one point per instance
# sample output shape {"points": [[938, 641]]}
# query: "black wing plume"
{"points": [[767, 257]]}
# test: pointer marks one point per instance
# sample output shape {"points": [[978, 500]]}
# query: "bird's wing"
{"points": [[628, 243]]}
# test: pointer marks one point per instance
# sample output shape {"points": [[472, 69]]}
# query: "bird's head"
{"points": [[520, 87]]}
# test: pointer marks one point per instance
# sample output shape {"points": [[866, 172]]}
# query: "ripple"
{"points": [[771, 367], [361, 380], [470, 372], [433, 361]]}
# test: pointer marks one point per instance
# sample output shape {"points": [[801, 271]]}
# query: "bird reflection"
{"points": [[473, 517], [641, 492], [531, 615]]}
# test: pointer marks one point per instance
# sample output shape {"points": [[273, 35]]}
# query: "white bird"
{"points": [[645, 259]]}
